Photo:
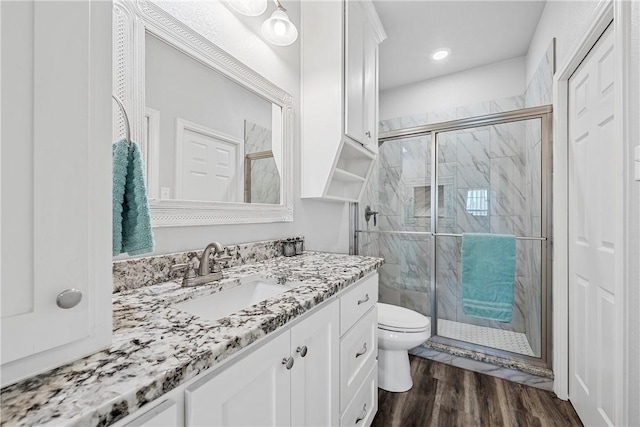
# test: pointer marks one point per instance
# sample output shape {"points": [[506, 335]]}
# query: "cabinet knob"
{"points": [[363, 415], [363, 351], [302, 350], [288, 362], [368, 134], [365, 299], [69, 298]]}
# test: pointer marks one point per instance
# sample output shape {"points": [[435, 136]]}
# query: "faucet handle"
{"points": [[189, 269], [224, 259]]}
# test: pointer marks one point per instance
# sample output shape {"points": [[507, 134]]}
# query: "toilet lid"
{"points": [[394, 318]]}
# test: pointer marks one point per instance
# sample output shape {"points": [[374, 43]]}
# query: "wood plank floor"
{"points": [[443, 395]]}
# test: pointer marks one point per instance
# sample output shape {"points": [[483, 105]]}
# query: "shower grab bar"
{"points": [[428, 233]]}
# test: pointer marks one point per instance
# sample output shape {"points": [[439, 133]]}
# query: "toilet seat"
{"points": [[398, 319]]}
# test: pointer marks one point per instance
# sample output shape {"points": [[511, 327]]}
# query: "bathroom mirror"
{"points": [[215, 135]]}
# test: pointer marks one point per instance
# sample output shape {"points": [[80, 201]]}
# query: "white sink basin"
{"points": [[251, 291]]}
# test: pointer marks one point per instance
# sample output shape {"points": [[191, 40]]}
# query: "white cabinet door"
{"points": [[370, 95], [255, 391], [315, 376], [354, 71], [56, 182]]}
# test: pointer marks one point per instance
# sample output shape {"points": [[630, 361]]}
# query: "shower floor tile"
{"points": [[515, 342]]}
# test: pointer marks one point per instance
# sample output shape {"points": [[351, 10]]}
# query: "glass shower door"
{"points": [[490, 178]]}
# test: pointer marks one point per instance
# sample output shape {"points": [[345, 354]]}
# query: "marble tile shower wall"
{"points": [[505, 160]]}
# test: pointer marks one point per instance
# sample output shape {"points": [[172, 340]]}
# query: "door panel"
{"points": [[56, 168], [593, 214], [314, 377]]}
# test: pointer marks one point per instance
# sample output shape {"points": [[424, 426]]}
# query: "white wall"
{"points": [[494, 81], [564, 20], [324, 224]]}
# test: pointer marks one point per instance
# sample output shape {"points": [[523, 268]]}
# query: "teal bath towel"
{"points": [[132, 231], [488, 275]]}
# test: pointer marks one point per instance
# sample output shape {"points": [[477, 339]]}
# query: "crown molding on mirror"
{"points": [[131, 21]]}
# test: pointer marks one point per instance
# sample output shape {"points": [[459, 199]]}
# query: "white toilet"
{"points": [[399, 329]]}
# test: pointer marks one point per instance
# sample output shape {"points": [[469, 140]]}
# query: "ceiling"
{"points": [[477, 32]]}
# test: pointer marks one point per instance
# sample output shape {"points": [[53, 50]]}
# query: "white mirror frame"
{"points": [[131, 21]]}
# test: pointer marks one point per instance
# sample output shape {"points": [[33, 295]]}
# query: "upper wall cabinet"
{"points": [[339, 97]]}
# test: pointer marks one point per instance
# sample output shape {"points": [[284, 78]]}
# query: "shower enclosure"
{"points": [[488, 174]]}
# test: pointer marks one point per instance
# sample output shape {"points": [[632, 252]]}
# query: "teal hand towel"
{"points": [[132, 232], [488, 275], [120, 154]]}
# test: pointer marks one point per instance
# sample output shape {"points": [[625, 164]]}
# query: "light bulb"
{"points": [[279, 28]]}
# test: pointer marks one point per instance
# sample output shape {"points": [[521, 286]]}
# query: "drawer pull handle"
{"points": [[288, 362], [368, 134], [364, 414], [363, 351], [302, 350], [365, 299]]}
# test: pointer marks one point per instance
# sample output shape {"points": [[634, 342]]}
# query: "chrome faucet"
{"points": [[206, 273], [204, 259]]}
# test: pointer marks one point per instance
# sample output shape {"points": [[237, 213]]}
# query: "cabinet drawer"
{"points": [[358, 351], [357, 302], [164, 414], [365, 403]]}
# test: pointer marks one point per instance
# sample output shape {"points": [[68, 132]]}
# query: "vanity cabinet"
{"points": [[290, 380], [320, 371], [339, 97], [56, 184]]}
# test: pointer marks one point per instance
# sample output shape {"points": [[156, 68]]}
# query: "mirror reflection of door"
{"points": [[207, 164], [206, 125]]}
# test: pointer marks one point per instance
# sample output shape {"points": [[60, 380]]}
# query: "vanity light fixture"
{"points": [[277, 29], [248, 7], [440, 54]]}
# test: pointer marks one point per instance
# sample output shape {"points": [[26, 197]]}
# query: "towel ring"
{"points": [[126, 119]]}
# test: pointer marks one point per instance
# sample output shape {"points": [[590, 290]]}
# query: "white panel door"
{"points": [[594, 212], [56, 182], [210, 167], [315, 376], [253, 392]]}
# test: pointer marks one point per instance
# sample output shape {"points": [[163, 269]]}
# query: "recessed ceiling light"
{"points": [[440, 54]]}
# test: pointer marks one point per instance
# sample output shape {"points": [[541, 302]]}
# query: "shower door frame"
{"points": [[544, 113]]}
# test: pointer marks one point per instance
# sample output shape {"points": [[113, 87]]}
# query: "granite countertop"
{"points": [[156, 348]]}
